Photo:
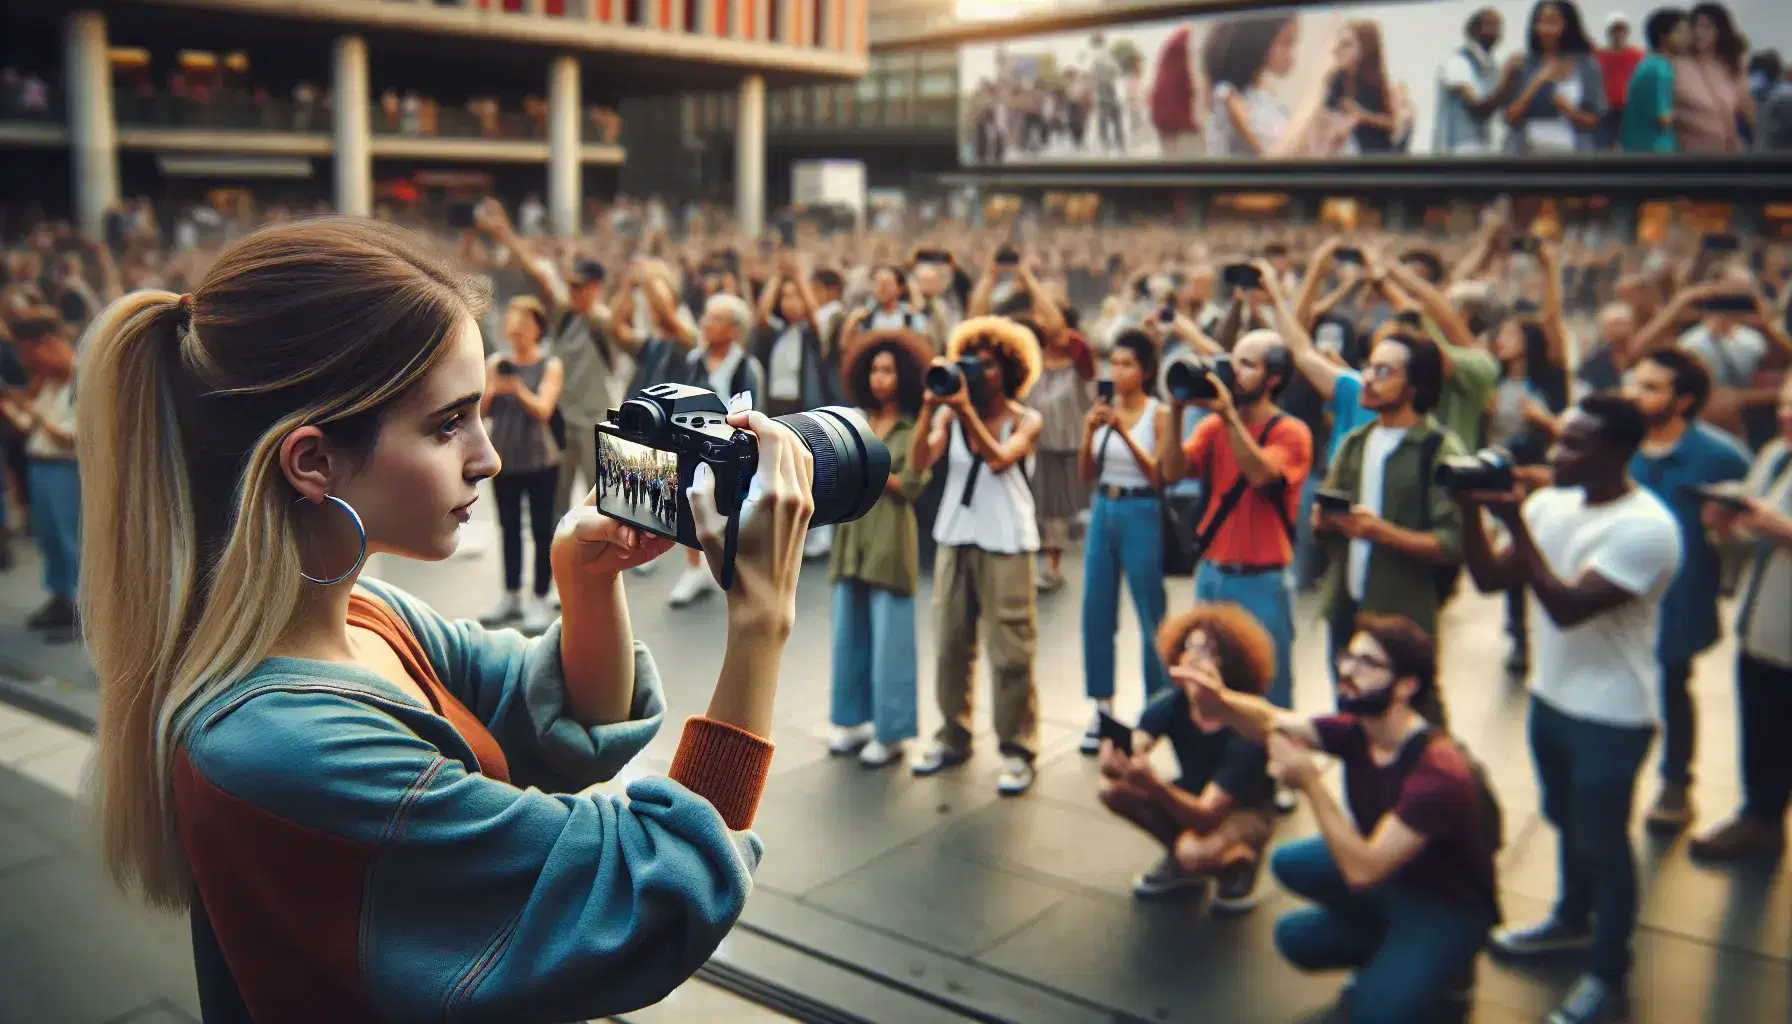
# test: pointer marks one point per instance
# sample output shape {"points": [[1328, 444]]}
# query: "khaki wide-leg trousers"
{"points": [[975, 591]]}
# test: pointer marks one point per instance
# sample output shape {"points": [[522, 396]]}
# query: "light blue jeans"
{"points": [[56, 523], [1266, 596], [874, 660], [1126, 535]]}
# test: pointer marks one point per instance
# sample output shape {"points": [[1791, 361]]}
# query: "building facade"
{"points": [[90, 86]]}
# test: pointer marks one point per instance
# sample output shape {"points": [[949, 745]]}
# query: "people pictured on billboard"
{"points": [[1373, 79], [1562, 95]]}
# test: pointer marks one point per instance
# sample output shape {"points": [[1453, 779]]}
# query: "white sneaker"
{"points": [[1016, 777], [847, 739], [508, 608], [695, 583], [537, 616], [819, 543], [877, 755]]}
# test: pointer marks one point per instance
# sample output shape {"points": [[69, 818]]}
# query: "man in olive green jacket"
{"points": [[1401, 529]]}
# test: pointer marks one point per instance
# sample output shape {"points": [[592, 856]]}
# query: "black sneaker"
{"points": [[1592, 1001], [58, 613], [1236, 892], [1091, 742], [1551, 936]]}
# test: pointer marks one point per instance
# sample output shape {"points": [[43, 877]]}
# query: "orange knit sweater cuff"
{"points": [[725, 765]]}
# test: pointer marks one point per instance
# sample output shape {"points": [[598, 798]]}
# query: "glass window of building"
{"points": [[898, 98], [867, 94]]}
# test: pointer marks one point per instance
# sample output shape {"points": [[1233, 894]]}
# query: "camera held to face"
{"points": [[648, 452], [1186, 377], [1489, 469], [945, 380]]}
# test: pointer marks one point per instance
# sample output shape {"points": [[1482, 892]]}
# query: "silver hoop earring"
{"points": [[360, 528]]}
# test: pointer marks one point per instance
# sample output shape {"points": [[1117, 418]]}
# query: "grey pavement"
{"points": [[1019, 909]]}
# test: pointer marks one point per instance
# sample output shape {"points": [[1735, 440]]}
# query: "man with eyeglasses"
{"points": [[1403, 885], [1400, 528]]}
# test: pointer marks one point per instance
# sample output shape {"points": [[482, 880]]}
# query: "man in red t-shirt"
{"points": [[1249, 442], [1617, 62], [1403, 886]]}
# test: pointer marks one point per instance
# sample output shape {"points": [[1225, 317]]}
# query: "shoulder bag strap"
{"points": [[1232, 497], [1427, 466]]}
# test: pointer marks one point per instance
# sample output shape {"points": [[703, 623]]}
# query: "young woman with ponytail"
{"points": [[371, 812]]}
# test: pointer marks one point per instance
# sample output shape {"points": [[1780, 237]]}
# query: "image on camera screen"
{"points": [[638, 484]]}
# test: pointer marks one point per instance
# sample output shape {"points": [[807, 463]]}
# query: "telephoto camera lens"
{"points": [[1489, 469], [852, 464], [1185, 378], [944, 381]]}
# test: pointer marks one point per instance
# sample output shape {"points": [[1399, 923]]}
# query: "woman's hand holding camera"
{"points": [[591, 547], [1101, 414], [774, 519]]}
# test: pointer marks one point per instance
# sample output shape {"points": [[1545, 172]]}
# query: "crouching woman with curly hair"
{"points": [[1216, 817]]}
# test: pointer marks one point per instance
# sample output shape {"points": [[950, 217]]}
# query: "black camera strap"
{"points": [[970, 480], [1232, 497]]}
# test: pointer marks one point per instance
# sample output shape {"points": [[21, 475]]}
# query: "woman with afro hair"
{"points": [[987, 536]]}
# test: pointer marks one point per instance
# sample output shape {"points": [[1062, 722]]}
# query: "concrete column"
{"points": [[749, 156], [354, 144], [565, 182], [93, 134]]}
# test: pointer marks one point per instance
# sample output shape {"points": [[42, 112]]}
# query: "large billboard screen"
{"points": [[1427, 78]]}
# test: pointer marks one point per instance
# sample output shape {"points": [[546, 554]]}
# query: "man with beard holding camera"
{"points": [[1678, 456], [1252, 461], [1397, 529], [1403, 886], [1596, 552]]}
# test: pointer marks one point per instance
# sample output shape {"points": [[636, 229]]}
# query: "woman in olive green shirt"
{"points": [[875, 565]]}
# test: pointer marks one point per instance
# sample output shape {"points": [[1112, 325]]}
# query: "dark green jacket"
{"points": [[1397, 584]]}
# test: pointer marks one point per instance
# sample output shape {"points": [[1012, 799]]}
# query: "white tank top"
{"points": [[1118, 467], [1000, 518]]}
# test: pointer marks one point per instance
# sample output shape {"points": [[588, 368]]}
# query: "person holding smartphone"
{"points": [[274, 726], [1125, 435], [1216, 818], [522, 389]]}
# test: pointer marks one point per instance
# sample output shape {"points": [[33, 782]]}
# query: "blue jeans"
{"points": [[1125, 535], [1266, 596], [1587, 773], [1405, 945], [874, 660], [56, 522]]}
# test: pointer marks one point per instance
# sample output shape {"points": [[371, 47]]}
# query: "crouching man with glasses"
{"points": [[1408, 903], [1216, 818]]}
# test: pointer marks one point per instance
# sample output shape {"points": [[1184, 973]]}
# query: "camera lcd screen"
{"points": [[638, 484]]}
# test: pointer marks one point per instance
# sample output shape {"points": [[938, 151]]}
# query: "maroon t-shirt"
{"points": [[1438, 798]]}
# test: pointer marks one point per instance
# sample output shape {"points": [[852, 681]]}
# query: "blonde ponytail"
{"points": [[191, 572], [138, 559]]}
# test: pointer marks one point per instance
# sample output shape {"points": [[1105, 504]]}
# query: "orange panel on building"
{"points": [[664, 19], [837, 24], [799, 22], [605, 10], [749, 19]]}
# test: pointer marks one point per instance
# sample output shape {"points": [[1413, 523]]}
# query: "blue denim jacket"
{"points": [[1689, 608], [355, 865]]}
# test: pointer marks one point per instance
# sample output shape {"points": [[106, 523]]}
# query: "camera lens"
{"points": [[1186, 380], [851, 462], [1487, 470], [944, 381]]}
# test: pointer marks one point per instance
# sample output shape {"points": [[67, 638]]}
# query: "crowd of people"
{"points": [[1267, 409], [1676, 80]]}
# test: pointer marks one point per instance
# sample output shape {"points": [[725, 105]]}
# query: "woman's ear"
{"points": [[309, 463]]}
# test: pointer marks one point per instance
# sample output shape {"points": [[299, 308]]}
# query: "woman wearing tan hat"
{"points": [[875, 564]]}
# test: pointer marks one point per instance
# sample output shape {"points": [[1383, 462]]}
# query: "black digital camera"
{"points": [[945, 379], [1489, 469], [648, 452], [1185, 378]]}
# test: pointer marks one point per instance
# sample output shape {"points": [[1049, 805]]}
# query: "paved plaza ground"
{"points": [[949, 900]]}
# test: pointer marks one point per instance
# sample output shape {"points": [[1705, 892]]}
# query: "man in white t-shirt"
{"points": [[1596, 552]]}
